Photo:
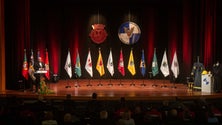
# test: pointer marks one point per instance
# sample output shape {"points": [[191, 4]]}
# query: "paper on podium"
{"points": [[41, 72]]}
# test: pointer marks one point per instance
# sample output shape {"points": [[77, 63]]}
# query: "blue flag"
{"points": [[155, 69], [142, 64]]}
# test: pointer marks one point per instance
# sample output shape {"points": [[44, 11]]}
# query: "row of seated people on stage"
{"points": [[98, 112], [198, 69]]}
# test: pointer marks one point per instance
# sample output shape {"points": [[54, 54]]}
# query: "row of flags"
{"points": [[28, 69], [164, 68]]}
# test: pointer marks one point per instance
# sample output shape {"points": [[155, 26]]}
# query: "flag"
{"points": [[25, 73], [175, 65], [31, 67], [68, 65], [131, 65], [143, 64], [99, 65], [47, 74], [110, 66], [155, 69], [38, 54], [121, 64], [78, 65], [164, 65], [88, 65]]}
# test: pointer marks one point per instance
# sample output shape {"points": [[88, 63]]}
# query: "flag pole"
{"points": [[143, 84], [154, 64], [68, 86], [164, 85], [110, 81], [174, 79], [132, 83], [100, 84], [77, 81], [89, 83]]}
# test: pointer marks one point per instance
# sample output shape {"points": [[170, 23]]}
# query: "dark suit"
{"points": [[217, 75], [197, 71], [38, 66]]}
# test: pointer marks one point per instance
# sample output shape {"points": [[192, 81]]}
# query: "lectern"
{"points": [[206, 83], [43, 87]]}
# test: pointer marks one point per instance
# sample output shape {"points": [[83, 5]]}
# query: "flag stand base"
{"points": [[100, 84], [120, 84], [164, 85], [110, 83], [143, 83], [77, 83], [89, 84], [68, 86]]}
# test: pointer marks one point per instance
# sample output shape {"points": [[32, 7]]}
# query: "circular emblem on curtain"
{"points": [[98, 34], [129, 33]]}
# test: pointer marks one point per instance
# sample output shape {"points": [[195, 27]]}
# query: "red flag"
{"points": [[25, 67], [47, 74], [121, 64]]}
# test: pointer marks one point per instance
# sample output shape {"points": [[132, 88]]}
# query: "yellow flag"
{"points": [[131, 65], [99, 65]]}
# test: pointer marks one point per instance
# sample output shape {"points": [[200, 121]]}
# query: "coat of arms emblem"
{"points": [[98, 34]]}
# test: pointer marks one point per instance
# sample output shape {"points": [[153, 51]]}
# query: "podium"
{"points": [[207, 83], [42, 84]]}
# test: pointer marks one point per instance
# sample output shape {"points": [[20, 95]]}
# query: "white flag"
{"points": [[164, 65], [88, 65], [68, 66], [175, 65], [110, 66]]}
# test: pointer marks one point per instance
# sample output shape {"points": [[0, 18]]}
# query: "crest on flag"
{"points": [[110, 66], [98, 34], [164, 65], [47, 65], [25, 66], [88, 65], [142, 64], [99, 65], [78, 65], [155, 69], [31, 67], [129, 33], [68, 66], [175, 65], [131, 65], [121, 64]]}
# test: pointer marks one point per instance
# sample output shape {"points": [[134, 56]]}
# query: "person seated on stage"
{"points": [[38, 67], [217, 75]]}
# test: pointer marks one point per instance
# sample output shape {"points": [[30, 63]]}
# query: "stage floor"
{"points": [[79, 90]]}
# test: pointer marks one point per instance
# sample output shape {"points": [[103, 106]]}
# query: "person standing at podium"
{"points": [[217, 75], [39, 66]]}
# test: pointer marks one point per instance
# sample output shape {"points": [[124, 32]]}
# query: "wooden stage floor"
{"points": [[115, 92]]}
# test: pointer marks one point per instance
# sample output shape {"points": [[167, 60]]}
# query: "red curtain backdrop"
{"points": [[188, 27]]}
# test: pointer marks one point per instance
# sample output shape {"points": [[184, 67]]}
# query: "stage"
{"points": [[81, 90]]}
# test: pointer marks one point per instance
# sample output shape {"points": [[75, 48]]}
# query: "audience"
{"points": [[41, 112]]}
